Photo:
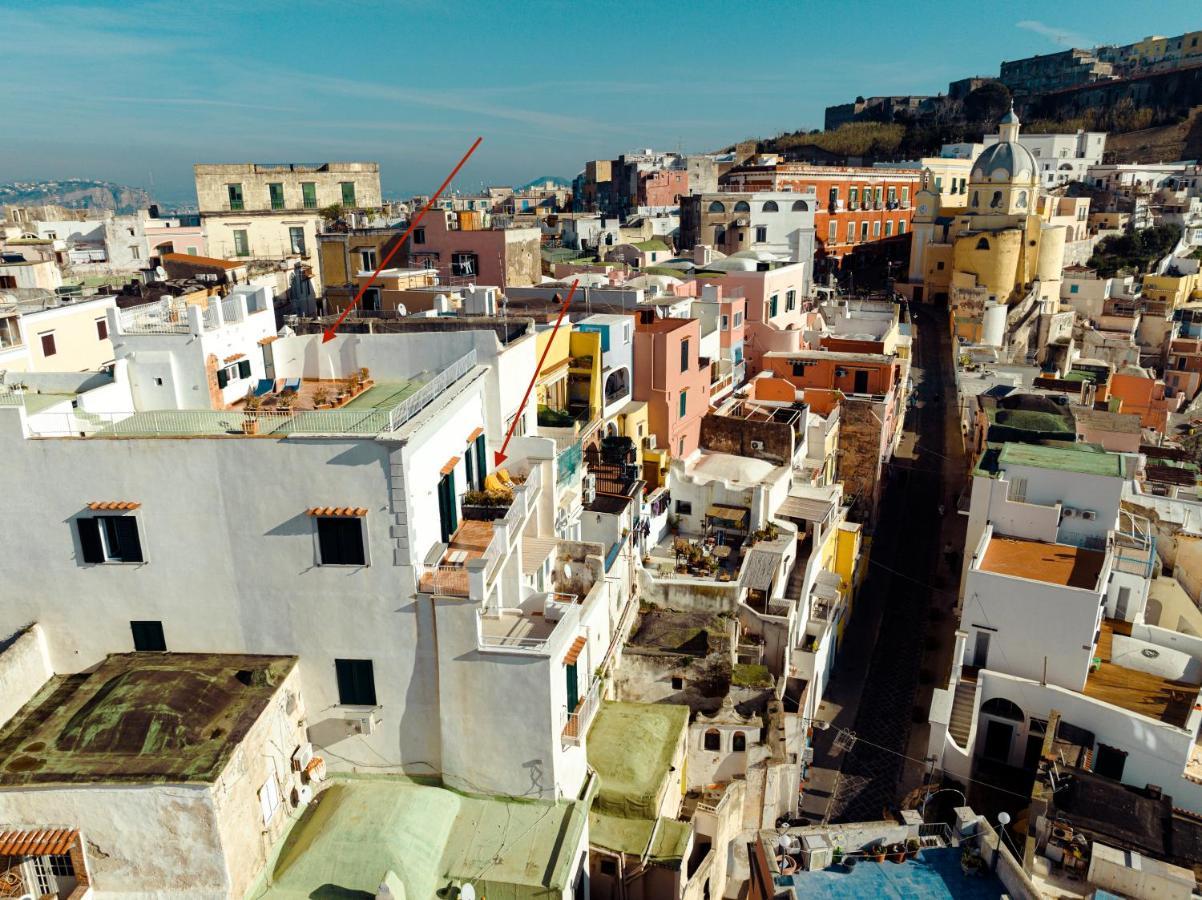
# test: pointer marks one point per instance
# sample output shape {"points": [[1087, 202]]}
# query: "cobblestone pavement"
{"points": [[886, 651]]}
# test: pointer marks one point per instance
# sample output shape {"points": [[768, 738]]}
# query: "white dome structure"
{"points": [[1005, 176]]}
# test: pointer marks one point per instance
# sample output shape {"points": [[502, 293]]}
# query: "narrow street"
{"points": [[901, 613]]}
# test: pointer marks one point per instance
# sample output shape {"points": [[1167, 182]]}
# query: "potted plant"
{"points": [[912, 848], [321, 396], [364, 376], [252, 402], [877, 851], [286, 402], [970, 860], [250, 425], [674, 523], [897, 852], [837, 856]]}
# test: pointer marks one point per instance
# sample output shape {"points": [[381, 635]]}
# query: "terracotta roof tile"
{"points": [[337, 511], [37, 841], [450, 465], [113, 505]]}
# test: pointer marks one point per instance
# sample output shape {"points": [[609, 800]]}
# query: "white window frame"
{"points": [[269, 799]]}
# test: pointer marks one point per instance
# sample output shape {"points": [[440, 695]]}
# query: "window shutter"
{"points": [[89, 540], [223, 378], [244, 368], [481, 459], [123, 538]]}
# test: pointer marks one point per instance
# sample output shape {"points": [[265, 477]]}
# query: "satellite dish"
{"points": [[467, 892]]}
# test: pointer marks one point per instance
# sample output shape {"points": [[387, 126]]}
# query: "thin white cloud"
{"points": [[1062, 37]]}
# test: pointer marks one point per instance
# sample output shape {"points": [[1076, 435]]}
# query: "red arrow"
{"points": [[329, 332], [499, 456]]}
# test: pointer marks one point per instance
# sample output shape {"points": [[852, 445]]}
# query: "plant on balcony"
{"points": [[321, 396], [550, 417], [252, 402], [488, 498], [285, 402], [364, 375], [912, 847], [769, 532]]}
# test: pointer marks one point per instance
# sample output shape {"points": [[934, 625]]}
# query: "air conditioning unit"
{"points": [[1088, 515], [757, 445], [301, 757], [364, 724], [649, 442], [590, 488]]}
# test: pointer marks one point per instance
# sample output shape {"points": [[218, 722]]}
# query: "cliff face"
{"points": [[75, 194]]}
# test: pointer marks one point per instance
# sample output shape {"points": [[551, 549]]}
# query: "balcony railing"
{"points": [[235, 206], [309, 203], [577, 723]]}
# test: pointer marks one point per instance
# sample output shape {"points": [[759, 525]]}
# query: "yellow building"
{"points": [[49, 336], [342, 255], [1173, 290], [995, 249], [551, 387], [584, 375]]}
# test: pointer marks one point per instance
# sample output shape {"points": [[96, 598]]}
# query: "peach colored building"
{"points": [[1143, 396], [1183, 375], [672, 378], [777, 309], [462, 251]]}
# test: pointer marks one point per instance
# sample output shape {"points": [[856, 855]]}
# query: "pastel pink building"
{"points": [[462, 250], [175, 234], [672, 378], [777, 310]]}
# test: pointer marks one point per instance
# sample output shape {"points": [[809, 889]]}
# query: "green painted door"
{"points": [[573, 688]]}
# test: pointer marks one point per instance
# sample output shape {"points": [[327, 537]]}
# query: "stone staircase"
{"points": [[962, 709]]}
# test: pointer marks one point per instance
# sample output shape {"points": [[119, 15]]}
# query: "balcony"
{"points": [[234, 206], [309, 203], [576, 723]]}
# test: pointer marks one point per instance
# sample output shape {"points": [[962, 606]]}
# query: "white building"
{"points": [[1052, 619], [1061, 157], [432, 636]]}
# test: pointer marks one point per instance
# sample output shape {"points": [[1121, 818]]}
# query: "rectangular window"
{"points": [[832, 233], [466, 265], [275, 192], [761, 233], [348, 192], [726, 323], [241, 243], [876, 229], [790, 300], [109, 539], [48, 347], [888, 229], [340, 541], [296, 236], [148, 637], [892, 194], [235, 195], [684, 355], [738, 319], [244, 368], [309, 194], [368, 260], [863, 231], [684, 403], [901, 227], [356, 682], [135, 252], [851, 232], [102, 329], [419, 235], [684, 508], [448, 511], [269, 799], [905, 194], [833, 195], [773, 305], [853, 196]]}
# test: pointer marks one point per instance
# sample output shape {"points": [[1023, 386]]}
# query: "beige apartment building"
{"points": [[253, 211]]}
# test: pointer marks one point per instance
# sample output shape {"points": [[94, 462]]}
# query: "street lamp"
{"points": [[1003, 819]]}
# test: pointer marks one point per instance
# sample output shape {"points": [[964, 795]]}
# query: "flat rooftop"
{"points": [[1061, 564], [1147, 693], [167, 718], [1065, 459], [363, 831], [631, 746]]}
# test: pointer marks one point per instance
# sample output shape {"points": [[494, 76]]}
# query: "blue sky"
{"points": [[134, 90]]}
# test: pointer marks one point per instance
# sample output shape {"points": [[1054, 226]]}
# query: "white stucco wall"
{"points": [[24, 668]]}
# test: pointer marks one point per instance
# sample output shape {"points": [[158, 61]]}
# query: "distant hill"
{"points": [[75, 193], [543, 179]]}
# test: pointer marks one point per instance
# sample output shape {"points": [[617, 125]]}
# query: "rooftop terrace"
{"points": [[1150, 694], [1061, 564], [140, 717], [1064, 458]]}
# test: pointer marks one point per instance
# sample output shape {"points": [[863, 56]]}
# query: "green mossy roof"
{"points": [[167, 718], [631, 747], [1088, 462]]}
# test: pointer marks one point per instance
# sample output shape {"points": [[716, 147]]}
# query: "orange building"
{"points": [[1142, 395], [674, 380], [856, 205]]}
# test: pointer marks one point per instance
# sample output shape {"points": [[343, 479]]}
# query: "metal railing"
{"points": [[449, 581], [229, 309], [164, 317], [577, 722], [411, 406]]}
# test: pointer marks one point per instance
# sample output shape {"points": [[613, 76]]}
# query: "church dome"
{"points": [[1005, 162]]}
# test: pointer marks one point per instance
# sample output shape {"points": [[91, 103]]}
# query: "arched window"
{"points": [[1022, 199], [976, 198], [713, 740], [770, 206], [983, 244], [996, 201], [742, 206], [800, 206], [717, 207], [739, 742], [1001, 708]]}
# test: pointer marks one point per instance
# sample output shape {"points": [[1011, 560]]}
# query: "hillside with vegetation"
{"points": [[1133, 252]]}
